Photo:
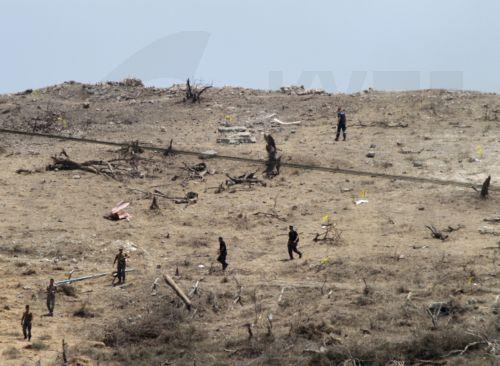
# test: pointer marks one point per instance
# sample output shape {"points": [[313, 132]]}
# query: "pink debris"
{"points": [[119, 213]]}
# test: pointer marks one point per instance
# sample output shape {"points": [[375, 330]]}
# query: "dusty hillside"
{"points": [[363, 297]]}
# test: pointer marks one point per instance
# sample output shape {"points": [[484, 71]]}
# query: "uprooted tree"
{"points": [[119, 169], [193, 92], [273, 162]]}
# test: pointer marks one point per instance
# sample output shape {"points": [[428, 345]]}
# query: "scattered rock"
{"points": [[371, 154], [29, 272], [232, 129], [126, 245], [97, 344], [418, 164], [235, 135], [494, 219], [207, 154], [485, 230]]}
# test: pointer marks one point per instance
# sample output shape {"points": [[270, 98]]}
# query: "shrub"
{"points": [[11, 353]]}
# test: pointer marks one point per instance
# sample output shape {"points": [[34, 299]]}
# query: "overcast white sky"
{"points": [[254, 43]]}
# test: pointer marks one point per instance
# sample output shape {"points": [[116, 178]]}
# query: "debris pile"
{"points": [[235, 135], [118, 212], [300, 90]]}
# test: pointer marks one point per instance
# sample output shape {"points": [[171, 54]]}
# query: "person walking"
{"points": [[121, 262], [341, 125], [26, 321], [222, 254], [51, 297], [293, 241]]}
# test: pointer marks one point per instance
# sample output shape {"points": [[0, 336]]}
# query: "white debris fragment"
{"points": [[360, 202]]}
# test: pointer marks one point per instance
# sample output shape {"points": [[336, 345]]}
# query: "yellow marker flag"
{"points": [[480, 152], [63, 122], [325, 219]]}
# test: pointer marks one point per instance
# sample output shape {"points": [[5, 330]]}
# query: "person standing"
{"points": [[222, 254], [341, 125], [121, 262], [293, 241], [51, 297], [26, 321]]}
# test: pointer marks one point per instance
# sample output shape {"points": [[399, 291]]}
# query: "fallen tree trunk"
{"points": [[177, 290]]}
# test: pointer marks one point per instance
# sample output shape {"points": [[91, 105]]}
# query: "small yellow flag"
{"points": [[63, 122], [480, 152], [362, 194], [325, 219]]}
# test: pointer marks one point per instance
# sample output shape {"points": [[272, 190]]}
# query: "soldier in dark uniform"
{"points": [[222, 254], [341, 126], [121, 261], [293, 241], [26, 323], [51, 297]]}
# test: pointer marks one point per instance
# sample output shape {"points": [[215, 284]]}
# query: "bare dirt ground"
{"points": [[358, 301]]}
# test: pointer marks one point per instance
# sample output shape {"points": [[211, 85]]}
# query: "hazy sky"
{"points": [[341, 45]]}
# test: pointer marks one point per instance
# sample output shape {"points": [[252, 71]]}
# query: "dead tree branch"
{"points": [[193, 92], [436, 234], [247, 178]]}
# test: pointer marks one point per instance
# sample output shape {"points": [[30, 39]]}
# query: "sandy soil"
{"points": [[51, 222]]}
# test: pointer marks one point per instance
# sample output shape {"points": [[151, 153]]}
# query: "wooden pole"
{"points": [[177, 290]]}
